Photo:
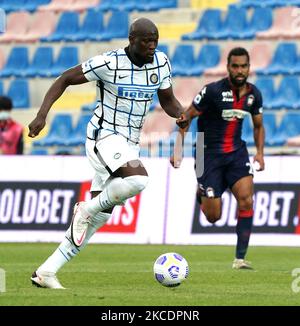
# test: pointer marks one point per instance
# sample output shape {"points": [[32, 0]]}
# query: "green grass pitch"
{"points": [[121, 275]]}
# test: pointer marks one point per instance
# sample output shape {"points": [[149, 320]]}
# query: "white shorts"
{"points": [[113, 151]]}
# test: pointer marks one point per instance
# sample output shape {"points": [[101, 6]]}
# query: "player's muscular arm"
{"points": [[73, 76], [259, 138], [169, 103]]}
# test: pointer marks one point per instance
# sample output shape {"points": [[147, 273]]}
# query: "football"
{"points": [[170, 269]]}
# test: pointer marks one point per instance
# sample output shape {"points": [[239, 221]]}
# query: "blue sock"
{"points": [[243, 231]]}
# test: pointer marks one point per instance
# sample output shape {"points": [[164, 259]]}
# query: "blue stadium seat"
{"points": [[59, 133], [18, 91], [235, 25], [88, 108], [183, 60], [78, 135], [261, 20], [264, 3], [17, 62], [39, 151], [67, 26], [32, 5], [209, 56], [117, 26], [163, 48], [67, 58], [266, 86], [1, 88], [284, 60], [288, 94], [92, 27], [270, 127], [12, 5], [289, 127], [41, 64], [247, 131], [153, 5], [210, 23], [106, 5]]}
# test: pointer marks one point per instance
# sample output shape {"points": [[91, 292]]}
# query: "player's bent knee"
{"points": [[213, 218], [121, 189]]}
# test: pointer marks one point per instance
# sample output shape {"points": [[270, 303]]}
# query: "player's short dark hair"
{"points": [[5, 103], [238, 52]]}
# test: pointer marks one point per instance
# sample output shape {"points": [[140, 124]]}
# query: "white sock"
{"points": [[116, 191], [67, 250]]}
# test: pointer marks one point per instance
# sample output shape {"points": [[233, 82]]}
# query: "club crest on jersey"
{"points": [[231, 115], [227, 96], [250, 100], [154, 78]]}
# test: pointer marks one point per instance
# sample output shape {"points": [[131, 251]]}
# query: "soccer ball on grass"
{"points": [[170, 269]]}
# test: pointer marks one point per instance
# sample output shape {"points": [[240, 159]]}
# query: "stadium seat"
{"points": [[2, 59], [261, 20], [17, 25], [221, 69], [209, 56], [288, 94], [289, 127], [41, 64], [281, 22], [60, 130], [154, 5], [1, 88], [163, 48], [67, 26], [91, 28], [78, 135], [82, 5], [117, 26], [235, 25], [42, 25], [57, 5], [260, 56], [266, 86], [284, 60], [32, 5], [67, 58], [270, 127], [247, 131], [183, 60], [18, 91], [185, 89], [39, 151], [210, 23], [17, 62]]}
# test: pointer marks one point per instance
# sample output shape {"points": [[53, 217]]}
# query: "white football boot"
{"points": [[45, 280], [241, 264], [79, 225]]}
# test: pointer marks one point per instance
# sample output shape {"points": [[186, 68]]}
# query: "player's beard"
{"points": [[236, 82]]}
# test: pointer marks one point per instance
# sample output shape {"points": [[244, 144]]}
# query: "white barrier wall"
{"points": [[37, 195]]}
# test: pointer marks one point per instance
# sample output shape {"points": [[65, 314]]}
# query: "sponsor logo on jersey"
{"points": [[136, 93], [250, 100], [233, 114], [227, 96], [154, 78]]}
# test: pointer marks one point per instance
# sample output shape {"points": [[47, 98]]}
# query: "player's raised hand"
{"points": [[183, 121], [259, 161], [36, 126]]}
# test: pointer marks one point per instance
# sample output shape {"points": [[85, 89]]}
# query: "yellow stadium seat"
{"points": [[175, 31], [204, 4], [74, 100]]}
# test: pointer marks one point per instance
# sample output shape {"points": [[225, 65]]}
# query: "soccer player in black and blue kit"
{"points": [[221, 107]]}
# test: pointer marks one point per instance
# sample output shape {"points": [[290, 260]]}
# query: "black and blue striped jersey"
{"points": [[124, 92]]}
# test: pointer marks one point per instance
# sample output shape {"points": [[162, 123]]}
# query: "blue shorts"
{"points": [[222, 171]]}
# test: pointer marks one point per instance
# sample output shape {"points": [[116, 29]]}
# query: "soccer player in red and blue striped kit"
{"points": [[221, 107]]}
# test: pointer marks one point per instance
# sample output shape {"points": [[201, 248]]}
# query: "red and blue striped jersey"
{"points": [[222, 114]]}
